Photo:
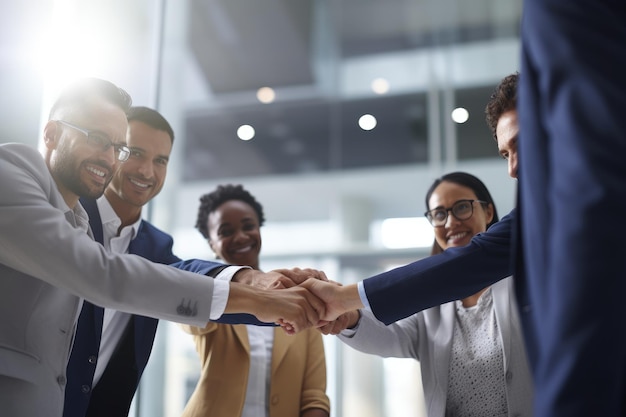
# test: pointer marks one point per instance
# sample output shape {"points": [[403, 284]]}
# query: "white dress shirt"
{"points": [[261, 339]]}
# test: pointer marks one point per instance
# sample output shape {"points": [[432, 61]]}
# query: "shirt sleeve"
{"points": [[221, 290], [363, 296]]}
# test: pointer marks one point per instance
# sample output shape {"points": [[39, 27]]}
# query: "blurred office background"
{"points": [[336, 114]]}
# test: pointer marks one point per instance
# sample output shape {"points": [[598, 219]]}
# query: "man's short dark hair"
{"points": [[503, 99], [152, 118], [80, 91]]}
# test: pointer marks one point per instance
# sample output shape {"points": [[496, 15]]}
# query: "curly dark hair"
{"points": [[223, 193], [502, 100]]}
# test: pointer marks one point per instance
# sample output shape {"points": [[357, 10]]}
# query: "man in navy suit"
{"points": [[112, 348], [572, 202]]}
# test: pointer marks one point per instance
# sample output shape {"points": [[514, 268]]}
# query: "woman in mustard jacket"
{"points": [[251, 371]]}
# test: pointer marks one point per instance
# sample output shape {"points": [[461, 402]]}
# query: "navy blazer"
{"points": [[451, 275], [80, 401], [572, 182]]}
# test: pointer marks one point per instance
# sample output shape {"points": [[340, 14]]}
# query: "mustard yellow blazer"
{"points": [[298, 380]]}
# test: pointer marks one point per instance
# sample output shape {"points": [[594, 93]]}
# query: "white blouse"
{"points": [[476, 385]]}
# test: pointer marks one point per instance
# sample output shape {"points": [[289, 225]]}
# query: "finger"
{"points": [[279, 285], [340, 324], [286, 282], [314, 273], [287, 327], [326, 328], [318, 306]]}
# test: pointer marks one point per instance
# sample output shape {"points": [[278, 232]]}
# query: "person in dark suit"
{"points": [[572, 196]]}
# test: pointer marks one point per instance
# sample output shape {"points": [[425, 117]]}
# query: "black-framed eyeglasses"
{"points": [[122, 152], [461, 210]]}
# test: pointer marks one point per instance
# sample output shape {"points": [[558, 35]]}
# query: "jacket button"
{"points": [[61, 380], [275, 399], [509, 376], [92, 359], [85, 389]]}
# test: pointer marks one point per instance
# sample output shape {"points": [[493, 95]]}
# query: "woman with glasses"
{"points": [[471, 351]]}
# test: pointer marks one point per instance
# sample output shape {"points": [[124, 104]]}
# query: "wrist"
{"points": [[355, 318], [245, 275]]}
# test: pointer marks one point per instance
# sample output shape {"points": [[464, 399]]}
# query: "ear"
{"points": [[489, 213], [214, 251], [51, 135]]}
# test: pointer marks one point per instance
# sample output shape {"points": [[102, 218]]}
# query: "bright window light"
{"points": [[380, 86], [407, 232]]}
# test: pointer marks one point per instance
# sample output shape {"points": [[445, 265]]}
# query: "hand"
{"points": [[295, 308], [339, 299], [267, 280], [298, 276], [345, 321]]}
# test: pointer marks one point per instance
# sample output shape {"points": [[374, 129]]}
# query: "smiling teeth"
{"points": [[96, 171], [139, 184], [457, 236], [242, 250]]}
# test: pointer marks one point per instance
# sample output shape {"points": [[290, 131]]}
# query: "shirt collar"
{"points": [[82, 218], [108, 216]]}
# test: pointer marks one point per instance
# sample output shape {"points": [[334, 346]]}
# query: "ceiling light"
{"points": [[245, 132], [460, 115], [367, 122], [266, 95]]}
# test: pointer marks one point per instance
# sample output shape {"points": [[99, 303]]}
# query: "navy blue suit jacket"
{"points": [[451, 275], [155, 245], [572, 200]]}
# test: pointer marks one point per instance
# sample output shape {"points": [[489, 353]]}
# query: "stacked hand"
{"points": [[293, 307], [345, 321], [305, 298], [279, 278]]}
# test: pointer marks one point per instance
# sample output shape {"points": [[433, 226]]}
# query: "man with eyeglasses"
{"points": [[101, 140], [49, 263]]}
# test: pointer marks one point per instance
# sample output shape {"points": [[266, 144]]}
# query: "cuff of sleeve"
{"points": [[221, 290], [227, 273], [363, 296]]}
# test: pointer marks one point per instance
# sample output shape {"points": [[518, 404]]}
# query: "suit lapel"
{"points": [[443, 337], [282, 343], [502, 304], [242, 335], [137, 246]]}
